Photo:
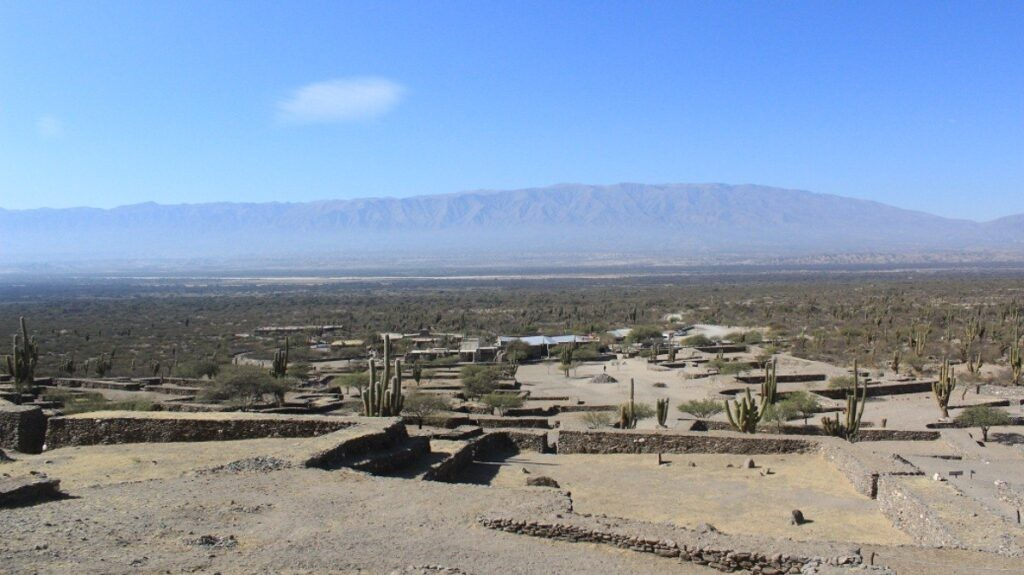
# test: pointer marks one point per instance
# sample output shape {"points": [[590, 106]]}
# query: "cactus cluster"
{"points": [[21, 364], [279, 367], [746, 414], [855, 402], [104, 364], [943, 387], [67, 366], [627, 411], [661, 410], [383, 397]]}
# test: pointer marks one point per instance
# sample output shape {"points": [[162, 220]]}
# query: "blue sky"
{"points": [[106, 103]]}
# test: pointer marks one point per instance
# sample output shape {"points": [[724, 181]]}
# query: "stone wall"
{"points": [[816, 430], [87, 383], [526, 439], [633, 441], [709, 548], [501, 439], [22, 428], [783, 378], [910, 514], [880, 389], [111, 427], [494, 421], [391, 432]]}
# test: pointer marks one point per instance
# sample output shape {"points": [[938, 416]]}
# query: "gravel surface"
{"points": [[294, 521]]}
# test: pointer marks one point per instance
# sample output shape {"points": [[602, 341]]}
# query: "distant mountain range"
{"points": [[675, 220]]}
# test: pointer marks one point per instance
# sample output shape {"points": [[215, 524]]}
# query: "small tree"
{"points": [[780, 412], [644, 334], [701, 408], [422, 405], [247, 385], [843, 382], [982, 416], [479, 380], [517, 351], [197, 369], [806, 404], [502, 401], [353, 380]]}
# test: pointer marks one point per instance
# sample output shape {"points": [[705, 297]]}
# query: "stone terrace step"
{"points": [[393, 459]]}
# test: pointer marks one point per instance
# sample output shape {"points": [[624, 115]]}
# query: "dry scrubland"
{"points": [[259, 505], [863, 316]]}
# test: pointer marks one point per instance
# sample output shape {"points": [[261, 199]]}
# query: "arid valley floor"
{"points": [[160, 477]]}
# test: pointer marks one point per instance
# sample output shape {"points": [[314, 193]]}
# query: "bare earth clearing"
{"points": [[733, 499]]}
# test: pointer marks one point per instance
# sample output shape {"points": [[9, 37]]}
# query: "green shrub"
{"points": [[446, 361], [502, 401], [644, 334], [422, 405], [701, 408], [247, 385], [698, 340], [479, 380], [597, 419], [196, 369]]}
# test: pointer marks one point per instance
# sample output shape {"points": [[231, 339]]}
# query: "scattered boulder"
{"points": [[707, 528], [259, 464], [797, 518], [214, 541], [428, 570], [37, 488], [542, 481], [4, 457], [749, 464]]}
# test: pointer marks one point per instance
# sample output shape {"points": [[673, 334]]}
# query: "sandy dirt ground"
{"points": [[733, 499], [294, 521]]}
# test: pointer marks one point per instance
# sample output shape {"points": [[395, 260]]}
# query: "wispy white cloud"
{"points": [[341, 100], [49, 127]]}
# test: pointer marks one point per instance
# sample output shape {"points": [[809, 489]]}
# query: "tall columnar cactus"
{"points": [[661, 410], [770, 386], [746, 414], [279, 367], [919, 338], [856, 399], [566, 359], [627, 411], [104, 364], [383, 397], [21, 364], [943, 387], [1016, 364], [67, 366], [897, 355]]}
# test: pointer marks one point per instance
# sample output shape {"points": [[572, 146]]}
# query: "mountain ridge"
{"points": [[626, 217]]}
